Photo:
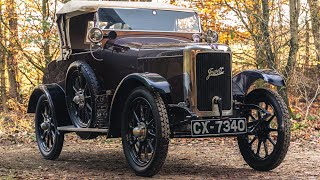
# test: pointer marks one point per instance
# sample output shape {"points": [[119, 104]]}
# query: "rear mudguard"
{"points": [[56, 98], [152, 81], [242, 81]]}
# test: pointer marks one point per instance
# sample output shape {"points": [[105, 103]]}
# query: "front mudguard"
{"points": [[56, 97], [243, 80], [152, 81]]}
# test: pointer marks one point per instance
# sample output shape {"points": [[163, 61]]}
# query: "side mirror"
{"points": [[95, 35]]}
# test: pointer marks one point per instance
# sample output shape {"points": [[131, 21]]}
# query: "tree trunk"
{"points": [[2, 68], [294, 46], [307, 48], [257, 36], [45, 31], [266, 34], [314, 6], [294, 42], [12, 52]]}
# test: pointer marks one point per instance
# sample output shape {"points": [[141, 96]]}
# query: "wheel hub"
{"points": [[140, 131], [45, 126], [79, 98], [262, 130]]}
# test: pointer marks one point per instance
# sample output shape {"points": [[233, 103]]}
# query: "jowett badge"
{"points": [[216, 72]]}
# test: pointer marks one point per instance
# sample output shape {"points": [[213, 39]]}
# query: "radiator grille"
{"points": [[215, 85]]}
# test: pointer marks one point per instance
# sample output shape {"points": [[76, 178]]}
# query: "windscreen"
{"points": [[148, 20]]}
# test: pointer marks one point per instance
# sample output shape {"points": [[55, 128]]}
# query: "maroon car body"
{"points": [[191, 73]]}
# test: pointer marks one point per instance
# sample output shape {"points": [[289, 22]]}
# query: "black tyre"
{"points": [[49, 140], [266, 144], [145, 132], [82, 86]]}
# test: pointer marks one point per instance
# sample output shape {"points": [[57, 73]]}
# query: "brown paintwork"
{"points": [[141, 57], [177, 35]]}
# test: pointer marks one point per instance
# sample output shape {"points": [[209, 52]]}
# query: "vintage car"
{"points": [[146, 72]]}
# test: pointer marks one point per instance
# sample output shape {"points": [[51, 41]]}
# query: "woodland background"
{"points": [[278, 34]]}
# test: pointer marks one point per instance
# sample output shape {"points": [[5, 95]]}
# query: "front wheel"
{"points": [[266, 144], [145, 132]]}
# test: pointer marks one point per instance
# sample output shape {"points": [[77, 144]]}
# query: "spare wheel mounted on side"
{"points": [[82, 86]]}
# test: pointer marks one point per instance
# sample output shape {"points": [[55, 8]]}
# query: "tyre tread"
{"points": [[162, 141]]}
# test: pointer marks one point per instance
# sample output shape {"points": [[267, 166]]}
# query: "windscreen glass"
{"points": [[148, 20]]}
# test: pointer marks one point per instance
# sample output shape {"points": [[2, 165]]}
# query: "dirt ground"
{"points": [[187, 159]]}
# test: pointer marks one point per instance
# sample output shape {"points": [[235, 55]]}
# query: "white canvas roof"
{"points": [[73, 8]]}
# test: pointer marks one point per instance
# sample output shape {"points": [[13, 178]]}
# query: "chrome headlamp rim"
{"points": [[212, 36], [95, 35]]}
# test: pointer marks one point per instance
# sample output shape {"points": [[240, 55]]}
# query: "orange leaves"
{"points": [[215, 15]]}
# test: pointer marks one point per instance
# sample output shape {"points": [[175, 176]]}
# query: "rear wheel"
{"points": [[145, 132], [49, 139], [266, 144]]}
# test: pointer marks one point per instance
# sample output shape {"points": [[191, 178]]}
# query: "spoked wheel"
{"points": [[145, 132], [266, 143], [82, 100], [49, 140], [81, 89]]}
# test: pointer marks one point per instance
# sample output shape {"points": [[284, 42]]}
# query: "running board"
{"points": [[75, 129]]}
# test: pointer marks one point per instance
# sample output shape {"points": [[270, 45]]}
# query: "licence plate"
{"points": [[217, 127]]}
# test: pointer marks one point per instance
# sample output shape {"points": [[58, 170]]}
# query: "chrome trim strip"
{"points": [[178, 32], [154, 57]]}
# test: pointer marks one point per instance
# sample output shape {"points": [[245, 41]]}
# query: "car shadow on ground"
{"points": [[114, 162], [207, 171], [90, 162]]}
